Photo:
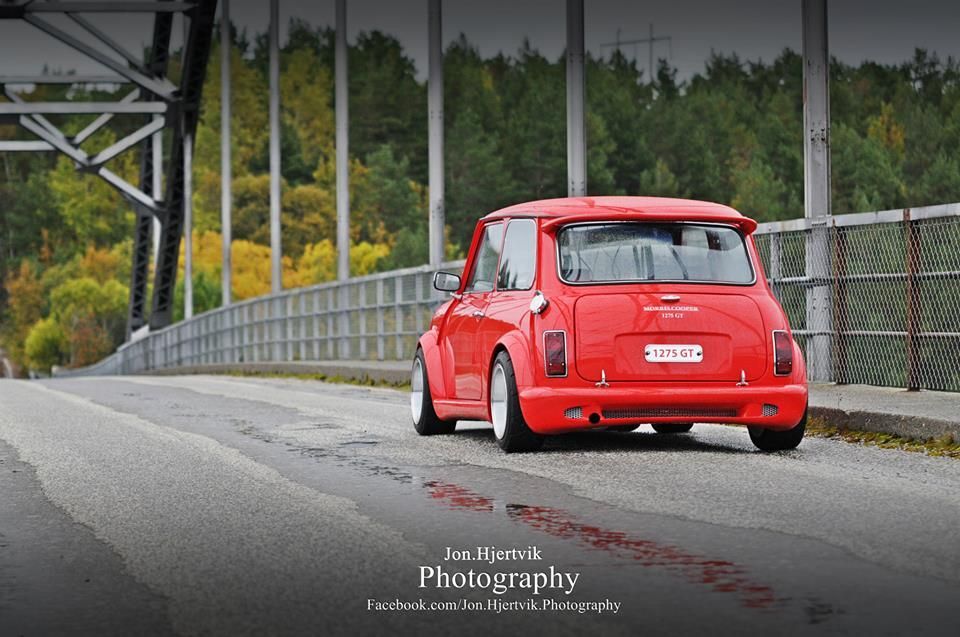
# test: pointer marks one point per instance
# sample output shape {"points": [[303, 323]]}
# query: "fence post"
{"points": [[819, 302], [381, 339], [331, 333], [419, 304], [912, 241], [289, 318], [315, 325], [776, 260], [398, 316], [816, 192], [362, 314], [840, 305], [344, 314]]}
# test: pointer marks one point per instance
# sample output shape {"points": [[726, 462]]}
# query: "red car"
{"points": [[608, 313]]}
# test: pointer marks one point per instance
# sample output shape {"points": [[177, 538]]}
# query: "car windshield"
{"points": [[617, 252]]}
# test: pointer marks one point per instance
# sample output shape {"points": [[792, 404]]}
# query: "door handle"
{"points": [[477, 314]]}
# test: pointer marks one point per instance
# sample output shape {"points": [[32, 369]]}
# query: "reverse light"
{"points": [[782, 353], [555, 353]]}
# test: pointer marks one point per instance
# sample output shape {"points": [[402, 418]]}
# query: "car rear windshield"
{"points": [[619, 252]]}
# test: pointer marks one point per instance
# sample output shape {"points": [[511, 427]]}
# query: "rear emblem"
{"points": [[670, 298]]}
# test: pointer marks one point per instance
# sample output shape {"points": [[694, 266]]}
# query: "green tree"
{"points": [[659, 181], [206, 294], [759, 193], [476, 178], [45, 345], [864, 175]]}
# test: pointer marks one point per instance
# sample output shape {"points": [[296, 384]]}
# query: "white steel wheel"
{"points": [[509, 427], [498, 401], [425, 419], [416, 390]]}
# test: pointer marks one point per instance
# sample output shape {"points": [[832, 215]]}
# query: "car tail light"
{"points": [[782, 353], [555, 353]]}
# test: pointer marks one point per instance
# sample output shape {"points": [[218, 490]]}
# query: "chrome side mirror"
{"points": [[446, 282]]}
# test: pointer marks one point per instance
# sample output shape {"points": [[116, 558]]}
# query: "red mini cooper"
{"points": [[609, 313]]}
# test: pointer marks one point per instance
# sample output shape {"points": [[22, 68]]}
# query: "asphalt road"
{"points": [[225, 506]]}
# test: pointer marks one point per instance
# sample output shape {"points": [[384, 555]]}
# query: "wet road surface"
{"points": [[214, 505]]}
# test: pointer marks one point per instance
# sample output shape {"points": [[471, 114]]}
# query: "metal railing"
{"points": [[873, 298], [375, 317]]}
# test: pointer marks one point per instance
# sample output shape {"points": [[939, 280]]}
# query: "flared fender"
{"points": [[518, 347], [435, 370]]}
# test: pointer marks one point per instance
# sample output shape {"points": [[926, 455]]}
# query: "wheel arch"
{"points": [[434, 361], [517, 347]]}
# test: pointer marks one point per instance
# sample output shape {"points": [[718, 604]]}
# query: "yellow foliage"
{"points": [[887, 130], [24, 308], [365, 257], [101, 264], [251, 263], [319, 261], [317, 264]]}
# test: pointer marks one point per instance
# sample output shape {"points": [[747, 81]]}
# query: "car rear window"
{"points": [[619, 252]]}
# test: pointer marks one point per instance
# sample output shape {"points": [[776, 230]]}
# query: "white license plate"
{"points": [[673, 353]]}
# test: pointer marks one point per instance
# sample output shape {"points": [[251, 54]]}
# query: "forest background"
{"points": [[731, 133]]}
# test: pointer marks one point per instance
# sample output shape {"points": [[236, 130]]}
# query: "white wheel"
{"points": [[498, 401], [425, 419], [416, 390]]}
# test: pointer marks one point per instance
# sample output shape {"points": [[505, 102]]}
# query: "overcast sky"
{"points": [[881, 30]]}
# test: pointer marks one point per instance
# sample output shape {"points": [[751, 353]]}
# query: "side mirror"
{"points": [[446, 282]]}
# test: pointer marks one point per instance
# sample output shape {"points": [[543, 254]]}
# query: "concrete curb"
{"points": [[918, 415], [915, 427], [361, 371]]}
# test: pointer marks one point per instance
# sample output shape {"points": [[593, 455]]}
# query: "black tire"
{"points": [[428, 423], [772, 440], [623, 429], [672, 428], [516, 436]]}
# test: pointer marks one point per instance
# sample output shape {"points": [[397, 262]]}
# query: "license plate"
{"points": [[673, 353]]}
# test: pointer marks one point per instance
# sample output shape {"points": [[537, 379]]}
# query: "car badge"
{"points": [[743, 379], [603, 379]]}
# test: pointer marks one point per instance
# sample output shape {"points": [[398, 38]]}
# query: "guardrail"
{"points": [[873, 298], [374, 317]]}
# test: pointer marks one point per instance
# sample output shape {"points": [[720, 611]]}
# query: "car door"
{"points": [[469, 313], [510, 301]]}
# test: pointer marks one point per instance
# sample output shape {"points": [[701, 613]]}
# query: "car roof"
{"points": [[593, 208]]}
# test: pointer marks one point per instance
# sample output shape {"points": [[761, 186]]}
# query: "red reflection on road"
{"points": [[457, 497], [721, 576]]}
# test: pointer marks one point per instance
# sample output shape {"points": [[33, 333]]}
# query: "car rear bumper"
{"points": [[550, 410]]}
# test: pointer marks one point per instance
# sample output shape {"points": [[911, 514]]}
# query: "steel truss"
{"points": [[163, 104]]}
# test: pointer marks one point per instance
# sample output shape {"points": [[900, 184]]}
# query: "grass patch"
{"points": [[945, 446], [364, 381]]}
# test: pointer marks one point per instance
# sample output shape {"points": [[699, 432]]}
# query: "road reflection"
{"points": [[720, 576]]}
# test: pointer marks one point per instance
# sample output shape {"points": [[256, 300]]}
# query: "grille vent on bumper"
{"points": [[770, 410], [632, 413], [574, 413]]}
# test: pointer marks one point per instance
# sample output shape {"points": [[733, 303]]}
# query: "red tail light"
{"points": [[782, 353], [555, 353]]}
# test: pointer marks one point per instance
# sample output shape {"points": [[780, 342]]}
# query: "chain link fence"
{"points": [[873, 298]]}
